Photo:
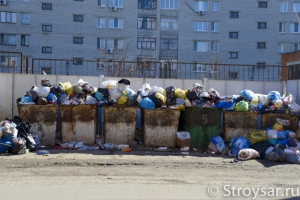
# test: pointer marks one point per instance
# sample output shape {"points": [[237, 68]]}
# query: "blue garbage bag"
{"points": [[52, 98], [26, 99], [238, 144], [283, 134], [224, 104], [147, 103], [99, 96], [247, 94], [274, 95], [219, 142]]}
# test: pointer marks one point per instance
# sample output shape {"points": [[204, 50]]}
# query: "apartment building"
{"points": [[202, 31]]}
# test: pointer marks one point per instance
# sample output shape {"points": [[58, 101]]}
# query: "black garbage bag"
{"points": [[57, 90], [192, 95], [33, 95], [124, 81], [45, 82], [171, 100], [156, 101], [42, 101], [104, 92], [132, 102], [261, 148], [24, 132], [18, 145], [170, 90]]}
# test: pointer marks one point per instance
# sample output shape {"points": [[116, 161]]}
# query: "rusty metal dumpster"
{"points": [[160, 127], [78, 123], [269, 119], [202, 123], [119, 123], [239, 123], [42, 119]]}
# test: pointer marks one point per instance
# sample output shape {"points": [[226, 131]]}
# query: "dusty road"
{"points": [[65, 174]]}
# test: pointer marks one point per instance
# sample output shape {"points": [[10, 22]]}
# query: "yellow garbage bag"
{"points": [[122, 99], [179, 93], [258, 136]]}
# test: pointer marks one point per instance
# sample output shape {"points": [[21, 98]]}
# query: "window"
{"points": [[8, 17], [200, 46], [24, 40], [214, 5], [233, 55], [261, 25], [146, 43], [200, 68], [234, 14], [261, 65], [294, 28], [46, 6], [147, 4], [7, 39], [78, 18], [261, 45], [46, 49], [295, 7], [200, 26], [168, 24], [214, 26], [283, 7], [47, 28], [78, 0], [109, 43], [169, 4], [233, 34], [101, 22], [233, 75], [168, 44], [25, 18], [115, 3], [282, 27], [115, 23], [200, 5], [101, 3], [77, 61], [146, 23], [262, 4], [214, 46], [295, 46], [282, 47], [47, 70], [77, 40]]}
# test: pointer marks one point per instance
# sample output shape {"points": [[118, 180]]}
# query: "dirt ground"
{"points": [[143, 174]]}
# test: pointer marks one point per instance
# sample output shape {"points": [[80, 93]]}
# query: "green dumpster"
{"points": [[202, 123]]}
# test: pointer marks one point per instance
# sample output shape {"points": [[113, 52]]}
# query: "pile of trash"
{"points": [[149, 97], [15, 137], [276, 143]]}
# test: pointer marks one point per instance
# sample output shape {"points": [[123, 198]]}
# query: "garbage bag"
{"points": [[158, 103], [104, 92], [242, 106], [192, 95], [62, 98], [129, 92], [123, 84], [18, 146], [26, 99], [247, 154], [99, 96], [145, 90], [132, 102], [224, 104], [147, 103], [292, 156], [114, 93], [277, 126], [213, 93], [179, 93], [156, 89], [294, 108], [271, 133], [90, 100], [261, 147], [161, 97], [275, 154], [171, 100], [45, 82], [274, 95], [247, 94], [238, 144], [109, 84], [219, 142], [42, 101], [57, 90], [283, 134], [287, 98], [33, 95], [122, 99], [170, 90], [258, 136], [42, 91], [51, 98], [4, 145], [67, 88]]}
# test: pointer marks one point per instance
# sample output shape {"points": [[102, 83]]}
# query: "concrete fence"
{"points": [[16, 85]]}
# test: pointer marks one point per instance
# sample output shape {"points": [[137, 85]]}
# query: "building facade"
{"points": [[224, 31]]}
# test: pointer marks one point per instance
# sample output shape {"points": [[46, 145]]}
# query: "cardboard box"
{"points": [[183, 143], [225, 151], [213, 147]]}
